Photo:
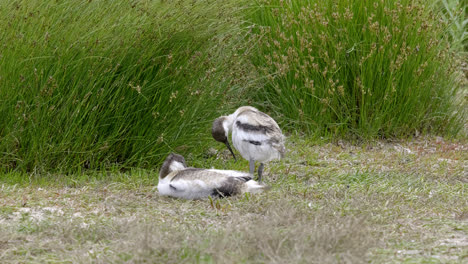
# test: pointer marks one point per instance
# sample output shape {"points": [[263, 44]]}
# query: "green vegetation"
{"points": [[94, 95], [97, 84], [104, 84], [455, 14], [369, 68], [329, 203]]}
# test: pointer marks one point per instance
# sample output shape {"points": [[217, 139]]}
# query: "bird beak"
{"points": [[230, 149]]}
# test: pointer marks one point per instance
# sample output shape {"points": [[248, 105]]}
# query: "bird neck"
{"points": [[228, 122], [169, 167]]}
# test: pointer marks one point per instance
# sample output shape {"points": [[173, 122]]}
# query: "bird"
{"points": [[179, 181], [255, 135]]}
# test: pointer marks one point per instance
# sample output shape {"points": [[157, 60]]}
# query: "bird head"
{"points": [[220, 131], [172, 163]]}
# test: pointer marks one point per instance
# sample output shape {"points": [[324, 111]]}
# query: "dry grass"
{"points": [[329, 203]]}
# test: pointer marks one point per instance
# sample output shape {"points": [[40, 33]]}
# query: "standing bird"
{"points": [[177, 180], [254, 134]]}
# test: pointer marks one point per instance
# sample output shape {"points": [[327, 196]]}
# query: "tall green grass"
{"points": [[93, 84], [367, 68], [102, 83], [455, 13]]}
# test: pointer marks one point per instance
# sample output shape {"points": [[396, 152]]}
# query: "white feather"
{"points": [[175, 166], [187, 189], [254, 187]]}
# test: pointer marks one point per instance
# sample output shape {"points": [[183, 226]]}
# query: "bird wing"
{"points": [[257, 118], [238, 175], [255, 126]]}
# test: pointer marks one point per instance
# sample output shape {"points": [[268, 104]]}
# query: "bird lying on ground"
{"points": [[178, 180]]}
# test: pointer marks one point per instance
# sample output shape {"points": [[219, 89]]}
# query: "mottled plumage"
{"points": [[255, 135], [178, 180]]}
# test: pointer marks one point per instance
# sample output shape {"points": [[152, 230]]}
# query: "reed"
{"points": [[104, 84], [365, 68], [97, 84]]}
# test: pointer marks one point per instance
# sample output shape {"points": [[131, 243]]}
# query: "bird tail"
{"points": [[255, 187]]}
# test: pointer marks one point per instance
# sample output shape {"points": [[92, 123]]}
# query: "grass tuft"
{"points": [[100, 84], [365, 68]]}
